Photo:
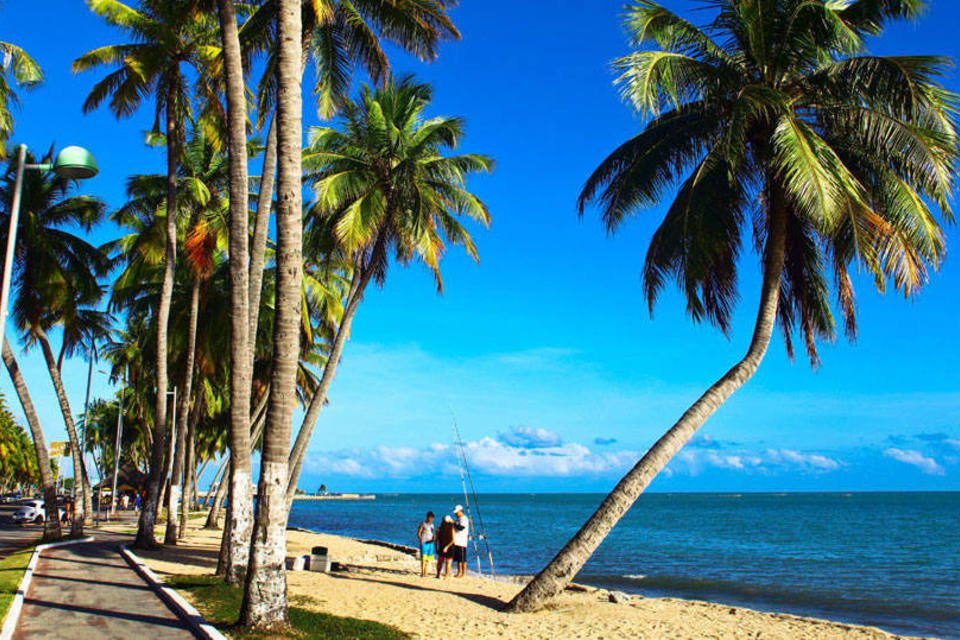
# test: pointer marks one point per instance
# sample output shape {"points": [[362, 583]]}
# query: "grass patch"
{"points": [[219, 604], [11, 573]]}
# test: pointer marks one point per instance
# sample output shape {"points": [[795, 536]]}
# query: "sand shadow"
{"points": [[485, 601]]}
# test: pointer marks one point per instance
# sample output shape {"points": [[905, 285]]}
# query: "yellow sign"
{"points": [[59, 449]]}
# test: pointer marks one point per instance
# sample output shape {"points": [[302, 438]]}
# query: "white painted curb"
{"points": [[13, 615], [184, 609]]}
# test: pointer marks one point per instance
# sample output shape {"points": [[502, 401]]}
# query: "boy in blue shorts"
{"points": [[426, 535]]}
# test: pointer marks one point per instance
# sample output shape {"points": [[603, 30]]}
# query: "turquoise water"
{"points": [[890, 560]]}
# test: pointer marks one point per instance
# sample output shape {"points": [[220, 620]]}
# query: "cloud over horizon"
{"points": [[916, 459]]}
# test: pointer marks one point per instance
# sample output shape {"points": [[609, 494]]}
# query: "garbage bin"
{"points": [[319, 560]]}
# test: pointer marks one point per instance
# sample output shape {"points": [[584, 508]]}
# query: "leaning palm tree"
{"points": [[167, 37], [17, 69], [774, 113], [56, 283], [384, 186]]}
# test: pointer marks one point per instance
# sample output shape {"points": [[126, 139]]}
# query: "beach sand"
{"points": [[385, 585]]}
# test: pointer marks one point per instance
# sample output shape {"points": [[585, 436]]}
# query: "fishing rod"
{"points": [[464, 480]]}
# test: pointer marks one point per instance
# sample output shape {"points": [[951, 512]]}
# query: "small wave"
{"points": [[635, 576]]}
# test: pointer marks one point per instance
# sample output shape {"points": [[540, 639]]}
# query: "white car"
{"points": [[33, 511]]}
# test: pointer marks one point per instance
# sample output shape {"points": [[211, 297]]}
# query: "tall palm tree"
{"points": [[773, 109], [241, 363], [265, 588], [166, 36], [56, 283], [384, 187], [17, 69], [339, 35], [204, 178]]}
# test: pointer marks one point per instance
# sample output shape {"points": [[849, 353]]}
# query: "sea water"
{"points": [[890, 560]]}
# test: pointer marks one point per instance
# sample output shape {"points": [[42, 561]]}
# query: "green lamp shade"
{"points": [[75, 163]]}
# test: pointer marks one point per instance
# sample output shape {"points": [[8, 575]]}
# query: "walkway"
{"points": [[89, 592]]}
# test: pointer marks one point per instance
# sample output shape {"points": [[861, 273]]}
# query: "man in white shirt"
{"points": [[461, 535]]}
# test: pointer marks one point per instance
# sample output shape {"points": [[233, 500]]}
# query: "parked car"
{"points": [[33, 511], [10, 498]]}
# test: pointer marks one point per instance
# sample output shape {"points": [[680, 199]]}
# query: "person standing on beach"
{"points": [[444, 546], [426, 536], [461, 534]]}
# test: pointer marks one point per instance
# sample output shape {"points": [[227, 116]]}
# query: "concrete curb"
{"points": [[13, 615], [184, 609]]}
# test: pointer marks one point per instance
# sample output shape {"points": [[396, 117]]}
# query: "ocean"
{"points": [[890, 560]]}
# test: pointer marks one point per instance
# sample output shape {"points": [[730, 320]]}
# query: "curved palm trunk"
{"points": [[358, 285], [564, 567], [265, 593], [51, 523], [148, 515], [76, 446], [183, 422], [261, 230], [213, 516], [241, 500]]}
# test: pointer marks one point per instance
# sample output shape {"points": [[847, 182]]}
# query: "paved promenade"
{"points": [[89, 592]]}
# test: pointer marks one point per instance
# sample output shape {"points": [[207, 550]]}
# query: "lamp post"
{"points": [[74, 163]]}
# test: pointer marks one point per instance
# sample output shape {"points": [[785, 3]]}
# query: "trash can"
{"points": [[319, 560]]}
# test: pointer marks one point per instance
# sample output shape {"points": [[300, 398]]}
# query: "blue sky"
{"points": [[545, 352]]}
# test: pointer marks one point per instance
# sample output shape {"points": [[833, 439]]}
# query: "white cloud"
{"points": [[530, 438], [487, 455], [912, 457], [695, 459]]}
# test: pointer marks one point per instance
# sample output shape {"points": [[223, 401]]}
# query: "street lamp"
{"points": [[72, 163]]}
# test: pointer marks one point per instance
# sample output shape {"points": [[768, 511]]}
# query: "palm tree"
{"points": [[339, 36], [204, 179], [773, 109], [17, 68], [383, 186], [241, 362], [165, 37], [56, 283], [51, 523], [265, 589]]}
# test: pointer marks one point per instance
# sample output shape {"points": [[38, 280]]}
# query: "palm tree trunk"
{"points": [[555, 577], [189, 473], [51, 522], [361, 277], [76, 446], [183, 414], [241, 500], [145, 528], [213, 516], [261, 230], [265, 593]]}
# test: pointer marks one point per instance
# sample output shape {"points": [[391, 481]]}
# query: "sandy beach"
{"points": [[384, 585]]}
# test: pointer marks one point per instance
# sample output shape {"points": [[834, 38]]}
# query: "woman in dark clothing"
{"points": [[444, 545]]}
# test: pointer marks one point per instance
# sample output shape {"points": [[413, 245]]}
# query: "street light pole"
{"points": [[12, 238], [118, 444]]}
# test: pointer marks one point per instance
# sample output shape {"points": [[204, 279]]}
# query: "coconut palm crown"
{"points": [[778, 103], [383, 185]]}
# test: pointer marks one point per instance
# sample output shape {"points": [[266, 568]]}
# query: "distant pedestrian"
{"points": [[426, 536], [461, 535], [444, 546], [136, 503], [124, 502]]}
